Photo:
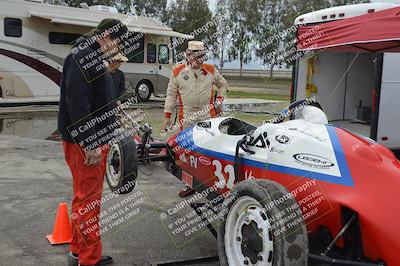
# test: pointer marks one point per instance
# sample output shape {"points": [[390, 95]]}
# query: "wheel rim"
{"points": [[248, 234], [113, 166], [143, 91]]}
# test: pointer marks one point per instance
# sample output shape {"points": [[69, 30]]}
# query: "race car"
{"points": [[294, 192]]}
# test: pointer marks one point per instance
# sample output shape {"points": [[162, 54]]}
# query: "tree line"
{"points": [[242, 30]]}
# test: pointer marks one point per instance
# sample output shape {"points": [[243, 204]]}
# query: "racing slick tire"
{"points": [[122, 164], [253, 230]]}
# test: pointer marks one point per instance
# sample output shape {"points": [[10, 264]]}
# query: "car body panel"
{"points": [[324, 167]]}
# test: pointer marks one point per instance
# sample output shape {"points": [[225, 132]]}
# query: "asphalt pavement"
{"points": [[34, 179]]}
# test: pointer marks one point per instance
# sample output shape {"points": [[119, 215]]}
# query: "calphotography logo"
{"points": [[312, 160]]}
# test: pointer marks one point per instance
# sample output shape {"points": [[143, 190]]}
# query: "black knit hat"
{"points": [[114, 26]]}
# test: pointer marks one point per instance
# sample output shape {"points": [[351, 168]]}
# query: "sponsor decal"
{"points": [[261, 141], [248, 175], [275, 149], [282, 139], [193, 161], [182, 157], [187, 179], [204, 124], [312, 160], [204, 160]]}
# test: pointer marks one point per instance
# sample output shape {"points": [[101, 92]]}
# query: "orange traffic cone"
{"points": [[62, 233]]}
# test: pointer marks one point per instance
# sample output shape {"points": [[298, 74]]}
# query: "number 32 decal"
{"points": [[221, 183]]}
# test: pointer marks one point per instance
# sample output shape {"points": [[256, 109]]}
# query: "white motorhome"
{"points": [[36, 37], [358, 87]]}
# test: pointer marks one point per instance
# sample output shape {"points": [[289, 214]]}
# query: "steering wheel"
{"points": [[288, 111]]}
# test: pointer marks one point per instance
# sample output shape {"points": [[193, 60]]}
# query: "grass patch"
{"points": [[258, 82], [256, 95], [254, 119]]}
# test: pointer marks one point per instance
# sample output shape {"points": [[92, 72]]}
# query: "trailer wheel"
{"points": [[143, 90], [251, 231], [122, 164]]}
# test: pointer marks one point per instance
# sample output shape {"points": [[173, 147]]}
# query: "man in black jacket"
{"points": [[86, 122]]}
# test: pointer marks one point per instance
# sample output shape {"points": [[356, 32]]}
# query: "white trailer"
{"points": [[36, 37], [358, 87]]}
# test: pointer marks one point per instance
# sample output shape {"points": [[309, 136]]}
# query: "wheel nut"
{"points": [[239, 238], [246, 262], [260, 258]]}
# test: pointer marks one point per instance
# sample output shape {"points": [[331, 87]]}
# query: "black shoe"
{"points": [[73, 260], [105, 260], [186, 192]]}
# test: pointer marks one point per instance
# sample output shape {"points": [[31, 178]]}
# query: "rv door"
{"points": [[388, 119], [164, 68]]}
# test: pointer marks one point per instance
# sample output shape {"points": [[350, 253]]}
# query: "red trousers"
{"points": [[88, 186]]}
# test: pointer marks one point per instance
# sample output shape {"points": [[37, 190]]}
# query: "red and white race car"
{"points": [[294, 191]]}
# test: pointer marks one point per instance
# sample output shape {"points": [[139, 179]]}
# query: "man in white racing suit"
{"points": [[199, 90]]}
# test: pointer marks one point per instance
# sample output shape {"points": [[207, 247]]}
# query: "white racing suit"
{"points": [[199, 93]]}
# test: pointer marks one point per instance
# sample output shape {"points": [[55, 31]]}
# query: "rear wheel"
{"points": [[143, 90], [252, 230], [122, 165]]}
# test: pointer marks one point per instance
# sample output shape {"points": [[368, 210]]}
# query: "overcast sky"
{"points": [[212, 3], [389, 1], [256, 65]]}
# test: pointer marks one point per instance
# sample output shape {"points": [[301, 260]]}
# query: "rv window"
{"points": [[151, 53], [134, 48], [13, 27], [63, 38], [163, 54]]}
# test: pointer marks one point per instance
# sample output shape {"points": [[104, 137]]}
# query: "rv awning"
{"points": [[373, 32], [87, 22]]}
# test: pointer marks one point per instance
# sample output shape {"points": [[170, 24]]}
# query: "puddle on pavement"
{"points": [[34, 126], [41, 125]]}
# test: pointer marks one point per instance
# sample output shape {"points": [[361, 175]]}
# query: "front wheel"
{"points": [[122, 164], [257, 231]]}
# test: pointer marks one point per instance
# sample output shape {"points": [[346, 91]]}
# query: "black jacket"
{"points": [[119, 84], [87, 106]]}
